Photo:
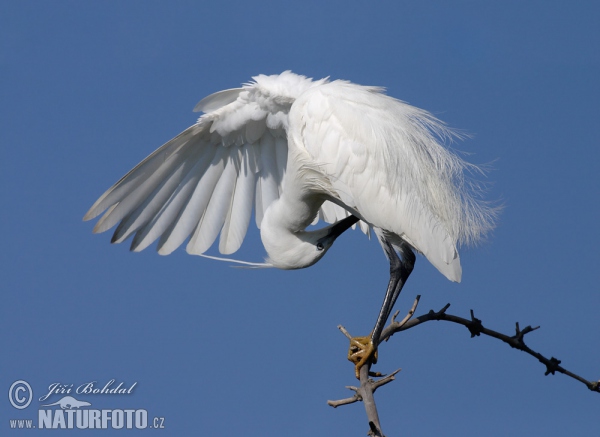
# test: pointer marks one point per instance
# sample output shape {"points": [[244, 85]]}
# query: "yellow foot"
{"points": [[360, 351]]}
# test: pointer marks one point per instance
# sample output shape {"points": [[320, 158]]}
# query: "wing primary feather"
{"points": [[137, 196], [191, 214], [268, 172], [281, 152], [154, 202], [220, 201], [238, 217], [168, 215], [141, 172], [254, 167], [258, 208]]}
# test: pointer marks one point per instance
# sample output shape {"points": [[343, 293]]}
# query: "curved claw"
{"points": [[360, 351]]}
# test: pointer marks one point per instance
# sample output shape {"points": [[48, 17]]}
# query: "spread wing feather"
{"points": [[203, 179], [154, 202], [137, 175], [207, 180], [239, 214], [183, 214]]}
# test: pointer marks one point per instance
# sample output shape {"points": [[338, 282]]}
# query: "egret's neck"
{"points": [[283, 233]]}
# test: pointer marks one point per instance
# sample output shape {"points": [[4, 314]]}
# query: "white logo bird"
{"points": [[296, 151]]}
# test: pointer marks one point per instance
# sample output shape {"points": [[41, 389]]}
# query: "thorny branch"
{"points": [[476, 328], [474, 325]]}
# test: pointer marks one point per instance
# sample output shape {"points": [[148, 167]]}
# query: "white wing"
{"points": [[384, 159], [207, 180]]}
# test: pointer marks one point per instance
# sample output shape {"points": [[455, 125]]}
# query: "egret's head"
{"points": [[297, 250]]}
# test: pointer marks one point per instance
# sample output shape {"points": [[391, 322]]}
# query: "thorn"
{"points": [[552, 366], [440, 312], [475, 327]]}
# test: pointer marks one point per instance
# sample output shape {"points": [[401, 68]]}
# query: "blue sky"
{"points": [[90, 88]]}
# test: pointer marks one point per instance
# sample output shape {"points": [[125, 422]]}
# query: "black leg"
{"points": [[363, 349], [400, 270]]}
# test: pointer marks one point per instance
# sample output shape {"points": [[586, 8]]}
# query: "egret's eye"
{"points": [[320, 246]]}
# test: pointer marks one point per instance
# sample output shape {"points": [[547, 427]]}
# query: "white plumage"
{"points": [[297, 150]]}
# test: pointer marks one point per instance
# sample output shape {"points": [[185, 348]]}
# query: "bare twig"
{"points": [[406, 318], [385, 380], [355, 398], [346, 333]]}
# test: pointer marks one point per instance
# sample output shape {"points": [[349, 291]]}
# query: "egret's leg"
{"points": [[400, 270], [364, 348]]}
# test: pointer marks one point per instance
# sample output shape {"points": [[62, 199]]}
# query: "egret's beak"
{"points": [[337, 229]]}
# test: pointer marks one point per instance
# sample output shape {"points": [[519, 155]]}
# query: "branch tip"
{"points": [[384, 381], [346, 401], [346, 333]]}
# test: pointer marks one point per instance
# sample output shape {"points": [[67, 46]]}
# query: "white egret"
{"points": [[297, 150]]}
